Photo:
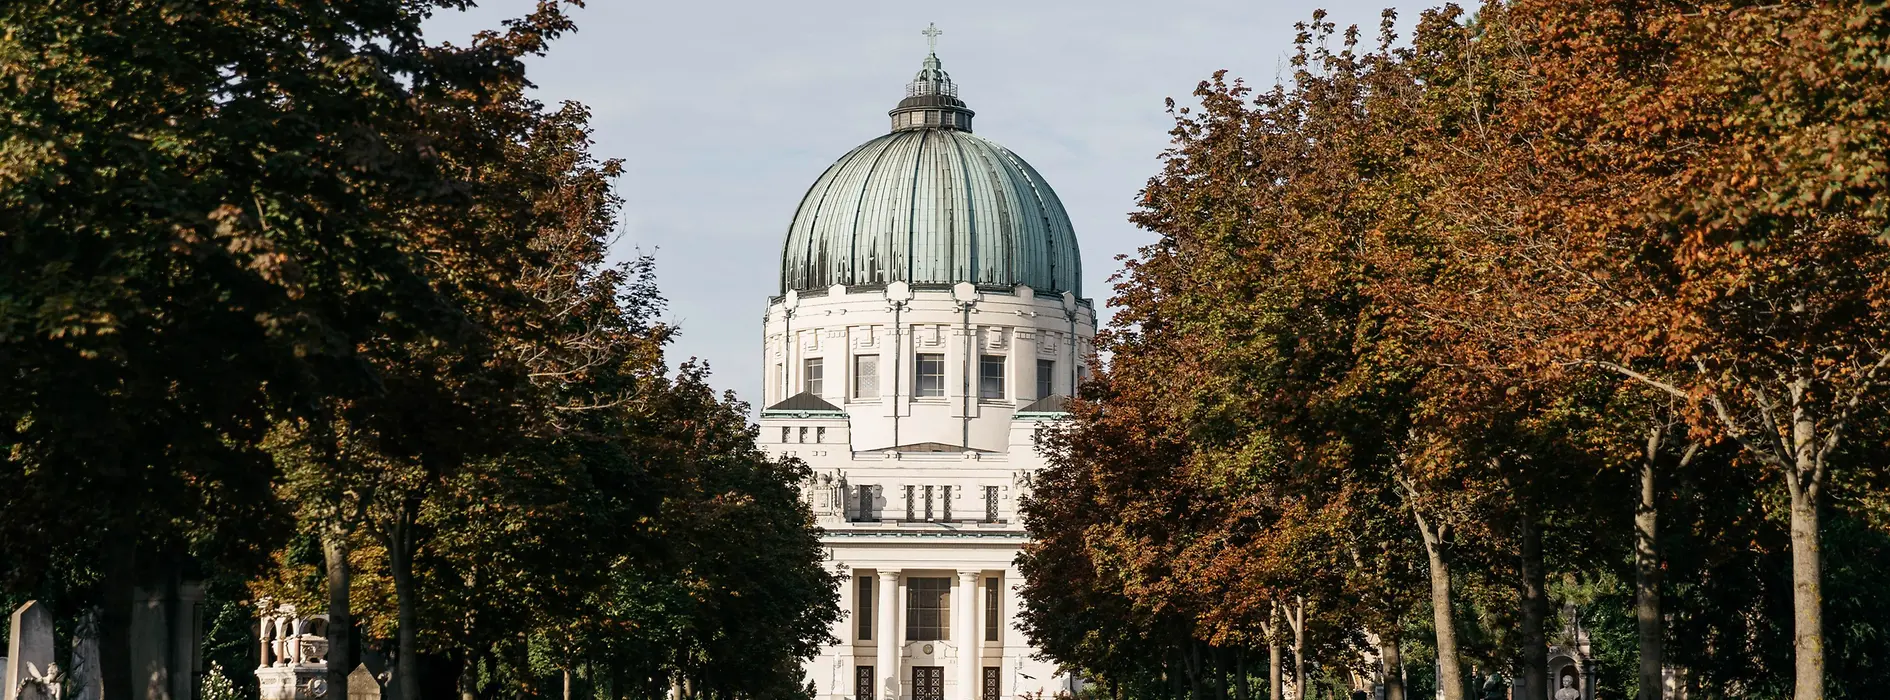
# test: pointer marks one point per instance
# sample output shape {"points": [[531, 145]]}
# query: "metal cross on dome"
{"points": [[931, 33]]}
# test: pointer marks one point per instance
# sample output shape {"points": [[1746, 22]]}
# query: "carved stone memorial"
{"points": [[362, 686]]}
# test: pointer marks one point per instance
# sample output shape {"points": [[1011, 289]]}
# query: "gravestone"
{"points": [[29, 653], [362, 686], [87, 677]]}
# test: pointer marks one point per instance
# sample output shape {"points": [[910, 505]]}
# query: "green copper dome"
{"points": [[930, 203]]}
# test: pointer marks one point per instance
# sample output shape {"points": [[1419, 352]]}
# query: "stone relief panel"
{"points": [[1049, 344], [928, 335], [995, 337]]}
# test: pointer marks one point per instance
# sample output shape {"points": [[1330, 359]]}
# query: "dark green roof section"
{"points": [[1054, 405], [803, 403]]}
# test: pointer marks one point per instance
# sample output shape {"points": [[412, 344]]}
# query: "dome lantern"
{"points": [[931, 98]]}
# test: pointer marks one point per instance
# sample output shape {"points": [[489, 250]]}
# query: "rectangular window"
{"points": [[992, 623], [803, 435], [812, 371], [1046, 377], [866, 503], [990, 504], [928, 609], [820, 435], [928, 375], [866, 376], [928, 503], [863, 608], [991, 377], [948, 503], [909, 503], [785, 432]]}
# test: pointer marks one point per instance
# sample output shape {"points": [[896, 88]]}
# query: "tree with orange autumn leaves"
{"points": [[293, 284], [1526, 304]]}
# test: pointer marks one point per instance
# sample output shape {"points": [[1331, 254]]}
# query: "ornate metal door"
{"points": [[928, 683], [863, 683], [990, 683]]}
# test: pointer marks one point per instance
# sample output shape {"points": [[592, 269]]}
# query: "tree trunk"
{"points": [[1535, 610], [567, 684], [114, 628], [1193, 662], [1449, 665], [469, 679], [340, 630], [1647, 619], [400, 561], [1298, 616], [1394, 666], [1274, 681], [1807, 588], [1241, 689], [1217, 659]]}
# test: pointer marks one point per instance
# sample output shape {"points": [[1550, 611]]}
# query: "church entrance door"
{"points": [[928, 683]]}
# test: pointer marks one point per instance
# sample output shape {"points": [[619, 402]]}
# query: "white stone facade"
{"points": [[917, 492]]}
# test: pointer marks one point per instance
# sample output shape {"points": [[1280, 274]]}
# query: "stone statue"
{"points": [[1568, 691], [1493, 688]]}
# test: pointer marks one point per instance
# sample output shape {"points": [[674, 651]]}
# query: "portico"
{"points": [[961, 650]]}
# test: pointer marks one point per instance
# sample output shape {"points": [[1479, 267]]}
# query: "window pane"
{"points": [[863, 608], [1046, 377], [990, 377], [866, 376], [928, 609], [991, 621], [990, 504], [929, 375], [811, 376]]}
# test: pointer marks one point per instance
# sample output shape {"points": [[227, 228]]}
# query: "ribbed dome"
{"points": [[930, 203]]}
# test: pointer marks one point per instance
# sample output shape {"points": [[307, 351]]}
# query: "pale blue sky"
{"points": [[725, 113]]}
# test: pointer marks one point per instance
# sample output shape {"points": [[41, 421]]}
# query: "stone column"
{"points": [[150, 645], [965, 631], [886, 665]]}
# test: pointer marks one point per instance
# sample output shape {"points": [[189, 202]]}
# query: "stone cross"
{"points": [[30, 654], [931, 33], [362, 686]]}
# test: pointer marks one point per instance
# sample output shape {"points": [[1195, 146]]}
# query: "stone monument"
{"points": [[30, 673], [1571, 660], [294, 654], [362, 686], [166, 639], [87, 678]]}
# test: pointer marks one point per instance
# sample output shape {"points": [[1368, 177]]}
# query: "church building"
{"points": [[930, 320]]}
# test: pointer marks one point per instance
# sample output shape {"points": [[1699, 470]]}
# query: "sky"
{"points": [[724, 113]]}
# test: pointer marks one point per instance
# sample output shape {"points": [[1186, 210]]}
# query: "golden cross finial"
{"points": [[931, 35]]}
